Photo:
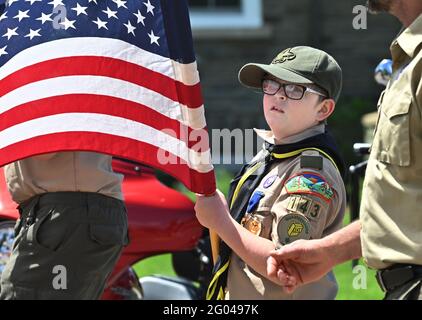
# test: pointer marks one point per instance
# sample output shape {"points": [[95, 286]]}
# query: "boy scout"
{"points": [[388, 234], [292, 189], [72, 226]]}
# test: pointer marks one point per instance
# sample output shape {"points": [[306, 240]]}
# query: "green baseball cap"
{"points": [[301, 65]]}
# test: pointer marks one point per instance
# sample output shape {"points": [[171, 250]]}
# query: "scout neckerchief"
{"points": [[249, 178]]}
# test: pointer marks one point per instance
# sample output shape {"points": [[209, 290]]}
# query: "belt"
{"points": [[397, 275]]}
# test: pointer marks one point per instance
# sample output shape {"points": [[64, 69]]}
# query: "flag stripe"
{"points": [[80, 103], [104, 86], [126, 86], [101, 47], [100, 123], [112, 145], [113, 68]]}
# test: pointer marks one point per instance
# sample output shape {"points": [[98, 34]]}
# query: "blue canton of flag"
{"points": [[30, 22]]}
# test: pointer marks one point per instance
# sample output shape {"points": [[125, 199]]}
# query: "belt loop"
{"points": [[30, 208], [30, 219]]}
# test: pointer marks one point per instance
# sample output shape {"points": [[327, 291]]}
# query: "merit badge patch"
{"points": [[269, 182], [309, 183], [304, 205], [293, 227]]}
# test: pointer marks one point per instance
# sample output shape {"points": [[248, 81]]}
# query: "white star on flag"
{"points": [[80, 10], [22, 15], [100, 24], [33, 33], [130, 29], [45, 17], [56, 3], [32, 1], [3, 51], [10, 33], [68, 23], [150, 7], [110, 13], [150, 78], [3, 16], [140, 17], [10, 2], [154, 38], [120, 3]]}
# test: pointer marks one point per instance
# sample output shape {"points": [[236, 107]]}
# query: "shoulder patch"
{"points": [[311, 161], [305, 205], [269, 181], [309, 183], [293, 227]]}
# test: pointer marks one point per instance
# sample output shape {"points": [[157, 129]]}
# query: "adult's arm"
{"points": [[306, 261]]}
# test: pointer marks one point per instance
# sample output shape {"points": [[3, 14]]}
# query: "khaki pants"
{"points": [[66, 246]]}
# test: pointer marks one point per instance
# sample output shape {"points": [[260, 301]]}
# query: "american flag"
{"points": [[110, 76]]}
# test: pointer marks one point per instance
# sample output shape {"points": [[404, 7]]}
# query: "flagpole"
{"points": [[214, 239], [215, 245]]}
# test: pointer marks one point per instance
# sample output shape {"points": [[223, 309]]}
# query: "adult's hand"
{"points": [[302, 262], [306, 261]]}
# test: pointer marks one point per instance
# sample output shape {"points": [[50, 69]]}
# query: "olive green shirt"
{"points": [[63, 171], [288, 211], [391, 213]]}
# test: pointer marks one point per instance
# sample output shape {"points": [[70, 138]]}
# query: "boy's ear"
{"points": [[326, 108]]}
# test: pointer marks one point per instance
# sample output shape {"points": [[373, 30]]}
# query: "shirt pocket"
{"points": [[392, 133]]}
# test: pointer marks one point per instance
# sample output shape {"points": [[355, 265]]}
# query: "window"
{"points": [[215, 4], [219, 14]]}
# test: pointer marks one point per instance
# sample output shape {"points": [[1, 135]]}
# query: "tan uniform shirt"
{"points": [[289, 209], [391, 213], [63, 171]]}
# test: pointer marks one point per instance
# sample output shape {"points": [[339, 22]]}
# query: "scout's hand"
{"points": [[211, 211], [299, 263]]}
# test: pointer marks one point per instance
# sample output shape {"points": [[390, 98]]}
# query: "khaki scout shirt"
{"points": [[391, 213], [63, 171], [285, 217]]}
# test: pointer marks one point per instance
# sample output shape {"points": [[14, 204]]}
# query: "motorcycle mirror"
{"points": [[384, 71]]}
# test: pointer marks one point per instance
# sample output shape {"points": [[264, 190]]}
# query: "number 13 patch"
{"points": [[305, 205]]}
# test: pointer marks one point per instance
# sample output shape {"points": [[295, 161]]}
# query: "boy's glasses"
{"points": [[291, 91]]}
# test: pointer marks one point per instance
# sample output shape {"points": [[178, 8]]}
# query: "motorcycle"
{"points": [[161, 220]]}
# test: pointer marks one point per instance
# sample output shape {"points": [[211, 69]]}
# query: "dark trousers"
{"points": [[66, 245], [408, 291]]}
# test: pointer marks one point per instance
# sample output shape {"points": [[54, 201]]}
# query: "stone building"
{"points": [[230, 33]]}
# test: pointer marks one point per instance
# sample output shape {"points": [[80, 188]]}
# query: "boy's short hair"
{"points": [[301, 65]]}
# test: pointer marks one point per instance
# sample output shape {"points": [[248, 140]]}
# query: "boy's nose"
{"points": [[281, 95]]}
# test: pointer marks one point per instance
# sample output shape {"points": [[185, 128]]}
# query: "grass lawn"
{"points": [[354, 284], [366, 289]]}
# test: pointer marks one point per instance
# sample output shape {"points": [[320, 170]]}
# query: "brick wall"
{"points": [[326, 24]]}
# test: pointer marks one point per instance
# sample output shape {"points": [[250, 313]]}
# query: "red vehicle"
{"points": [[161, 220]]}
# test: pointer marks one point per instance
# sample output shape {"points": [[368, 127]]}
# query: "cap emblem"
{"points": [[286, 55]]}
